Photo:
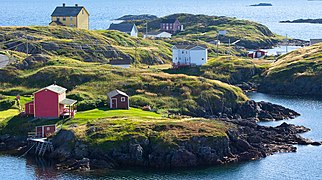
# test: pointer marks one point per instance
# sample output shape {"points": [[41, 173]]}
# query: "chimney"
{"points": [[64, 4], [76, 5]]}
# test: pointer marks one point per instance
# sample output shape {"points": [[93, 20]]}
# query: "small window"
{"points": [[186, 52], [48, 128], [64, 18], [83, 11], [122, 99], [202, 59], [57, 19], [182, 52], [71, 25], [71, 18]]}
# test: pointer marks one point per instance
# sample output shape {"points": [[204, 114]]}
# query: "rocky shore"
{"points": [[245, 140]]}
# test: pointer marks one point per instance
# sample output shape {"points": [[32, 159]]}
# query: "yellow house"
{"points": [[71, 16]]}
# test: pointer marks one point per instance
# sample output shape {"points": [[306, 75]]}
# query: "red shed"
{"points": [[257, 54], [51, 102], [46, 130], [118, 100]]}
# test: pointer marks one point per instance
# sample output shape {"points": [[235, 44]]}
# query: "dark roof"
{"points": [[123, 27], [58, 23], [188, 46], [67, 11], [120, 62], [168, 20]]}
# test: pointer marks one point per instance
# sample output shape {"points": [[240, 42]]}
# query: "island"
{"points": [[262, 4], [312, 21]]}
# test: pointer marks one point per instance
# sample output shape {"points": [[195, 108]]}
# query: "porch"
{"points": [[69, 108]]}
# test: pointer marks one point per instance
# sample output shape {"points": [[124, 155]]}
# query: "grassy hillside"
{"points": [[298, 72], [205, 28], [89, 46], [229, 69]]}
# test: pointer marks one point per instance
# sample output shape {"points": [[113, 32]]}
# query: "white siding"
{"points": [[198, 57], [195, 56], [134, 32]]}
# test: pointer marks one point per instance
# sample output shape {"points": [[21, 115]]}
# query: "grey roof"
{"points": [[120, 62], [67, 11], [68, 102], [156, 32], [54, 88], [123, 27], [187, 46], [168, 20], [58, 23], [116, 92]]}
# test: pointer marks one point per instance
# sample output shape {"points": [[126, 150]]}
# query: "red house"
{"points": [[257, 54], [171, 25], [118, 100], [51, 102], [46, 130]]}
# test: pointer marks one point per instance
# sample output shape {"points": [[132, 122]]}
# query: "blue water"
{"points": [[37, 12], [304, 164]]}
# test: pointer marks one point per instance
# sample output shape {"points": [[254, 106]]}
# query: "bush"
{"points": [[139, 101], [78, 96], [6, 104], [89, 104]]}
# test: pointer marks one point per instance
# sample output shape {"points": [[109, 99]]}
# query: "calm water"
{"points": [[305, 164], [37, 12]]}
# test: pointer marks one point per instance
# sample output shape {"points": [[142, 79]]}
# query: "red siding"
{"points": [[29, 108], [119, 103], [45, 131], [46, 104]]}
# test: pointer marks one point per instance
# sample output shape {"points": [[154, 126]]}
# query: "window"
{"points": [[186, 52], [202, 59], [57, 19], [71, 25], [83, 11], [64, 18], [48, 128], [182, 52], [122, 99], [71, 18]]}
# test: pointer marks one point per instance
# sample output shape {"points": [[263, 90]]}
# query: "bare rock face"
{"points": [[33, 61], [265, 111]]}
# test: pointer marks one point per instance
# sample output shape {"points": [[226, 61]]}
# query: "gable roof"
{"points": [[188, 47], [116, 92], [123, 27], [57, 22], [67, 11], [120, 62], [168, 21], [54, 88]]}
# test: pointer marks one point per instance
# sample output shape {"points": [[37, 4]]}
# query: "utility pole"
{"points": [[286, 44]]}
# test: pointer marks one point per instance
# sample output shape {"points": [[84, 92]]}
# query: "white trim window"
{"points": [[122, 99]]}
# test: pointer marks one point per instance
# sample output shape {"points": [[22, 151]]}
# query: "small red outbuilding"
{"points": [[118, 100]]}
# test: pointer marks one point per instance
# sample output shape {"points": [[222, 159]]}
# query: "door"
{"points": [[114, 103]]}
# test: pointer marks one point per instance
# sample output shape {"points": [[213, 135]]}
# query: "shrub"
{"points": [[139, 101], [6, 104], [90, 104]]}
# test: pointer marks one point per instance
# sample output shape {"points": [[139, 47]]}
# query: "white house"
{"points": [[158, 35], [189, 55], [128, 28]]}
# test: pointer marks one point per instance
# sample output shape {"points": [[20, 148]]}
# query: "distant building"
{"points": [[128, 28], [70, 16], [171, 25], [158, 35], [257, 54], [118, 100], [189, 55], [315, 41], [126, 63], [51, 103]]}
